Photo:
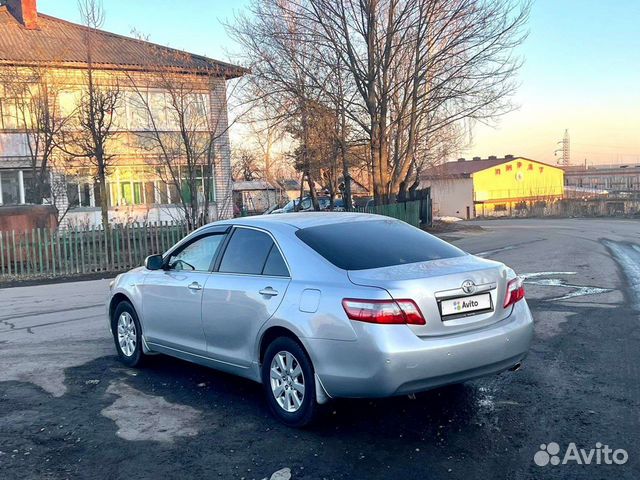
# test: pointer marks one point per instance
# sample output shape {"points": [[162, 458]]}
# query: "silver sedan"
{"points": [[318, 306]]}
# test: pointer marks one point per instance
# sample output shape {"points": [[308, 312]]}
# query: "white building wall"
{"points": [[14, 155], [451, 197], [223, 179]]}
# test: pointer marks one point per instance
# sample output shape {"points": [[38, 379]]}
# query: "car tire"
{"points": [[127, 334], [291, 394]]}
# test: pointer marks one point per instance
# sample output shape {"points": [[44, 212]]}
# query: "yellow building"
{"points": [[493, 186]]}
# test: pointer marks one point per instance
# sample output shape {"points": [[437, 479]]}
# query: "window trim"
{"points": [[223, 250]]}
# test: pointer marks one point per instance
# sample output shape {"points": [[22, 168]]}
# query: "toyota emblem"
{"points": [[468, 286]]}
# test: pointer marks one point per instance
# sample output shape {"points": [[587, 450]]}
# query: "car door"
{"points": [[249, 283], [172, 298]]}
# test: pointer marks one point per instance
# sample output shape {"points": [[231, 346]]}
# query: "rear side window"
{"points": [[375, 244], [246, 252], [275, 265]]}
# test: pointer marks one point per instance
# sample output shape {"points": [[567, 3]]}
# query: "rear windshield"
{"points": [[374, 244]]}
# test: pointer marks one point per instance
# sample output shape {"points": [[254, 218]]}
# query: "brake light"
{"points": [[515, 291], [388, 312]]}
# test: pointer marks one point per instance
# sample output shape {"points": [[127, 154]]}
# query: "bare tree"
{"points": [[93, 125], [183, 127], [406, 68], [284, 75], [36, 109], [246, 166]]}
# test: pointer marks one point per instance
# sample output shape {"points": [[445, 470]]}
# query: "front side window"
{"points": [[197, 256], [247, 252]]}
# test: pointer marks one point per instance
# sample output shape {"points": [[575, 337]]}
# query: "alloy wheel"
{"points": [[127, 334], [287, 381]]}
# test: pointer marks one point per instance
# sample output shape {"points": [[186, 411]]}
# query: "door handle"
{"points": [[194, 286], [268, 292]]}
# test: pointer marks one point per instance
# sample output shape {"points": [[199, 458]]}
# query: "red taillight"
{"points": [[515, 291], [388, 312]]}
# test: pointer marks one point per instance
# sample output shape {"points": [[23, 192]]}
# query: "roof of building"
{"points": [[613, 169], [253, 185], [465, 168], [61, 43], [289, 184]]}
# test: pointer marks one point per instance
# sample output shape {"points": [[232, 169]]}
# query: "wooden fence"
{"points": [[44, 252], [51, 253]]}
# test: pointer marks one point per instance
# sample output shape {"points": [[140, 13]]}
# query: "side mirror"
{"points": [[154, 262]]}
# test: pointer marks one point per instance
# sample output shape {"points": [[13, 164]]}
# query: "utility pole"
{"points": [[566, 150]]}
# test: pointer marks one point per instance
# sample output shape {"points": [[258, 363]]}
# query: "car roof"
{"points": [[300, 219]]}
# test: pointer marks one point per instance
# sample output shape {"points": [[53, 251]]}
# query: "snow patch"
{"points": [[146, 417]]}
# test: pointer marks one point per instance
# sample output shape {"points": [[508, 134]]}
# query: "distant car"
{"points": [[288, 208], [318, 306], [270, 209], [307, 205]]}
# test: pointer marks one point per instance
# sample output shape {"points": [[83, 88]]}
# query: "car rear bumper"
{"points": [[391, 360]]}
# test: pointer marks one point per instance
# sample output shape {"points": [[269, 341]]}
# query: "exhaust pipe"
{"points": [[516, 367]]}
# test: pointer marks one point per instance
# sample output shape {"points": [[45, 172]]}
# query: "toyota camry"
{"points": [[317, 306]]}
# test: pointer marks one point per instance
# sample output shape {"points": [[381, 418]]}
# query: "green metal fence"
{"points": [[44, 252], [407, 212]]}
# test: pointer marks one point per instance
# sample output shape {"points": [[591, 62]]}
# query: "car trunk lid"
{"points": [[440, 286]]}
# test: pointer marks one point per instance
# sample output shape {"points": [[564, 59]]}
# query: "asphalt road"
{"points": [[69, 409]]}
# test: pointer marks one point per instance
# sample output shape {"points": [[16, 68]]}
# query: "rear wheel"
{"points": [[289, 383], [127, 334]]}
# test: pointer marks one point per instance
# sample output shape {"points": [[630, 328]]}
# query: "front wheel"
{"points": [[127, 334], [289, 383]]}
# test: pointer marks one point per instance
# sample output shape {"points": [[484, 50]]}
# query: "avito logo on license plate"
{"points": [[458, 306]]}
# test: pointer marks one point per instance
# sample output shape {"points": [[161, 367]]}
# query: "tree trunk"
{"points": [[104, 211], [297, 207], [312, 192]]}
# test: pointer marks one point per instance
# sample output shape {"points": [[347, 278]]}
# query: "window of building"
{"points": [[9, 114], [79, 189], [519, 164], [500, 207], [498, 171], [530, 167], [135, 105], [10, 187], [509, 168], [30, 190], [541, 169]]}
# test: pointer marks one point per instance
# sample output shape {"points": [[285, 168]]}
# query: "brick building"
{"points": [[140, 186]]}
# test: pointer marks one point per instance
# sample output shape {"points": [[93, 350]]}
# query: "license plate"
{"points": [[462, 305]]}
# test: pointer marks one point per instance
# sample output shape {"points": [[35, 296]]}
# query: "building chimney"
{"points": [[461, 160], [493, 157], [25, 12], [508, 157], [475, 159]]}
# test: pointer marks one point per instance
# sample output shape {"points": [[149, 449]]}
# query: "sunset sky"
{"points": [[582, 70]]}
